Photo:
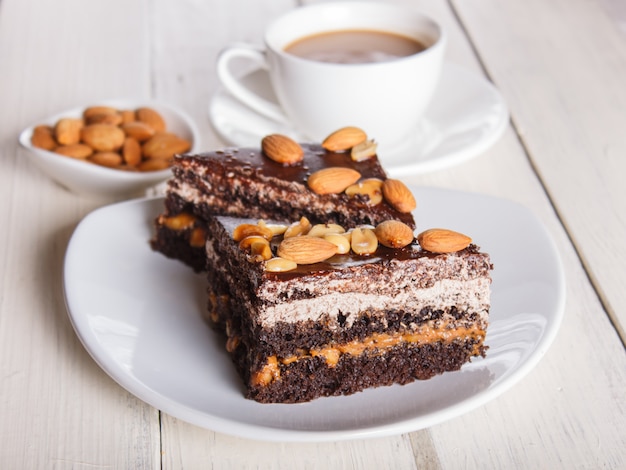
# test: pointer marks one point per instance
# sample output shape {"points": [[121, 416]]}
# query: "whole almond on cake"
{"points": [[344, 139], [398, 195], [333, 180], [282, 149], [394, 234], [306, 249], [439, 240]]}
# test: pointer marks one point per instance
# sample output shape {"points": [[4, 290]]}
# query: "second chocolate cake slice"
{"points": [[322, 185]]}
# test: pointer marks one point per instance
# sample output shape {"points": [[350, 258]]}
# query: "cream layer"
{"points": [[465, 296]]}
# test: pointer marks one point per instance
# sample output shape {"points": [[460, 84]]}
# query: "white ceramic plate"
{"points": [[467, 116], [138, 315]]}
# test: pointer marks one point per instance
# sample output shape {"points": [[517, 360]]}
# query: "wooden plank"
{"points": [[569, 411], [59, 410], [562, 68], [575, 392], [196, 447], [185, 71], [187, 37], [503, 171]]}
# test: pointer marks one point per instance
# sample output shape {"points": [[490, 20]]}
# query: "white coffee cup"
{"points": [[386, 99]]}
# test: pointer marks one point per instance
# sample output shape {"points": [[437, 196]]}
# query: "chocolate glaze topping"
{"points": [[315, 158], [479, 262], [250, 165], [381, 256]]}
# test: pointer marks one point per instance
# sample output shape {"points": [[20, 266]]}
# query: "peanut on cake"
{"points": [[321, 310], [315, 274], [338, 181]]}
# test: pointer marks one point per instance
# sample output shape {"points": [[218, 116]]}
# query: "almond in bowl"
{"points": [[112, 148]]}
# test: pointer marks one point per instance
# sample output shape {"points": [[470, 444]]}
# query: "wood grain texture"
{"points": [[189, 446], [562, 68], [59, 410], [562, 158], [545, 421], [187, 36]]}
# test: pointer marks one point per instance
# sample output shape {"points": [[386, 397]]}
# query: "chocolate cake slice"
{"points": [[306, 315], [315, 182]]}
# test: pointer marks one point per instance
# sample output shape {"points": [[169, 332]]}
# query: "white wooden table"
{"points": [[561, 66]]}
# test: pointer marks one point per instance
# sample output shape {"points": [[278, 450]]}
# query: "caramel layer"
{"points": [[377, 341], [185, 221]]}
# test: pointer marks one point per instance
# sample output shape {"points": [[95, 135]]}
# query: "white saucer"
{"points": [[467, 116], [138, 314]]}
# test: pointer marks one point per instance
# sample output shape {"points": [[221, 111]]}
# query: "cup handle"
{"points": [[257, 55]]}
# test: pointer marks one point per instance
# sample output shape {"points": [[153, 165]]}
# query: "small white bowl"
{"points": [[89, 179]]}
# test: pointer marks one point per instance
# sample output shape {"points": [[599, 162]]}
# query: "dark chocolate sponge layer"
{"points": [[330, 328], [177, 244], [302, 352], [312, 378]]}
